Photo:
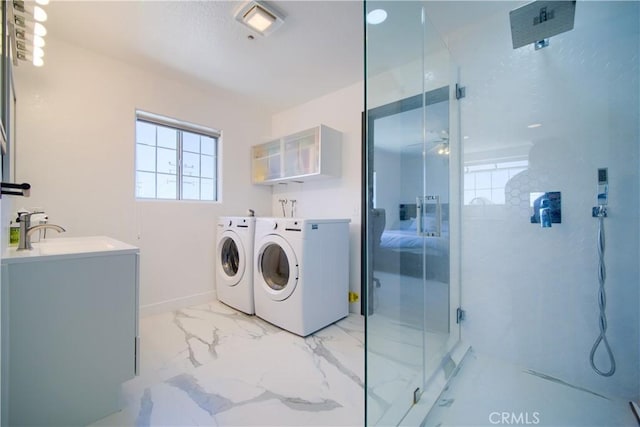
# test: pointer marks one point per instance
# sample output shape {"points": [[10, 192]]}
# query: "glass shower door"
{"points": [[409, 300]]}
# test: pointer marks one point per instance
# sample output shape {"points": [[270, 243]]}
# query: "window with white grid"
{"points": [[175, 160]]}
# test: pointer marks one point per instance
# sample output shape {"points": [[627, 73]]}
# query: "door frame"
{"points": [[368, 136]]}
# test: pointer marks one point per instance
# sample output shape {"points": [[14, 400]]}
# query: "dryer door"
{"points": [[231, 260], [277, 267]]}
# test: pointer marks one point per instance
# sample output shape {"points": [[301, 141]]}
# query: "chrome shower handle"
{"points": [[420, 202]]}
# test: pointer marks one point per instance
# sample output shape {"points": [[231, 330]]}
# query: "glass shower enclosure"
{"points": [[498, 156], [412, 295]]}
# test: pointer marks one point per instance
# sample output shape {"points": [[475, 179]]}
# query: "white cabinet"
{"points": [[310, 154], [70, 328]]}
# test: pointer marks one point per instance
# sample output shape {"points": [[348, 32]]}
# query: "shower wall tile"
{"points": [[531, 293]]}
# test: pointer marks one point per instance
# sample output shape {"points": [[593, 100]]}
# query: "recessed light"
{"points": [[377, 16], [534, 125], [259, 17], [465, 137]]}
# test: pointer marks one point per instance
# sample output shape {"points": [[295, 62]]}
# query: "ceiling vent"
{"points": [[259, 17]]}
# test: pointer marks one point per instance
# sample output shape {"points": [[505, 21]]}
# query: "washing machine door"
{"points": [[277, 266], [231, 261]]}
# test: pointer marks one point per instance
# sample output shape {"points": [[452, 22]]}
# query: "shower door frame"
{"points": [[421, 100]]}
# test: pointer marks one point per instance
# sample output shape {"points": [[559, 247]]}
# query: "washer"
{"points": [[301, 280], [234, 267]]}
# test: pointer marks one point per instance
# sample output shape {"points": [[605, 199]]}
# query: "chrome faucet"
{"points": [[26, 230]]}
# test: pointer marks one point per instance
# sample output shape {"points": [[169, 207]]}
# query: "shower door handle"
{"points": [[421, 202]]}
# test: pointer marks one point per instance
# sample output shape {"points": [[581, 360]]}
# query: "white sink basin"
{"points": [[67, 247]]}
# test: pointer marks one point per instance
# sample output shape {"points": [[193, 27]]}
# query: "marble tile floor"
{"points": [[210, 365], [424, 304], [395, 361], [486, 389]]}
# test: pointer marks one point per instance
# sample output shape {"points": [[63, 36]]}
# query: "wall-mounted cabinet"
{"points": [[311, 154]]}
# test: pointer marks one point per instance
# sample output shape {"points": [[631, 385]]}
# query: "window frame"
{"points": [[180, 127]]}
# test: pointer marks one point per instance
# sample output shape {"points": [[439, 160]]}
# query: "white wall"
{"points": [[76, 126], [531, 293], [336, 197]]}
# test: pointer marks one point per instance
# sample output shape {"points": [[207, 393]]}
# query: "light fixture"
{"points": [[259, 17], [377, 16], [534, 125], [39, 14], [39, 29], [443, 149], [27, 31], [38, 41]]}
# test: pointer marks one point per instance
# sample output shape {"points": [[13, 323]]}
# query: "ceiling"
{"points": [[318, 50]]}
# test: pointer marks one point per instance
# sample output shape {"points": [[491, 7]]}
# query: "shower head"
{"points": [[537, 21]]}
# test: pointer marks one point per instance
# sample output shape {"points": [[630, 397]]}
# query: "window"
{"points": [[485, 183], [175, 160]]}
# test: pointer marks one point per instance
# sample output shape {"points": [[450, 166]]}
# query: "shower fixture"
{"points": [[547, 208], [600, 212], [535, 22]]}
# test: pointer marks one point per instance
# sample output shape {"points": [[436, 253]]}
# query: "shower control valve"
{"points": [[599, 211]]}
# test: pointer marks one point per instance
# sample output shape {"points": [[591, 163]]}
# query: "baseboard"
{"points": [[176, 304]]}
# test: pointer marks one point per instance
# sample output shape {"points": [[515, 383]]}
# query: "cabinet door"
{"points": [[301, 152], [71, 337], [267, 161]]}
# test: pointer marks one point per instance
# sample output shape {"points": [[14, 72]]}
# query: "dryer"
{"points": [[301, 280], [234, 266]]}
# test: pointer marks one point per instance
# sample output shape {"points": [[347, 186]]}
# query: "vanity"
{"points": [[69, 329]]}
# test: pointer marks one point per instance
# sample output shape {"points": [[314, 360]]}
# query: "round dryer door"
{"points": [[231, 258], [277, 267]]}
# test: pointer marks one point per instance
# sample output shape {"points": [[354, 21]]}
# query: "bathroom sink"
{"points": [[70, 326], [67, 247]]}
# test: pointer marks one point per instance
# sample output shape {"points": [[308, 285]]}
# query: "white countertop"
{"points": [[68, 247]]}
